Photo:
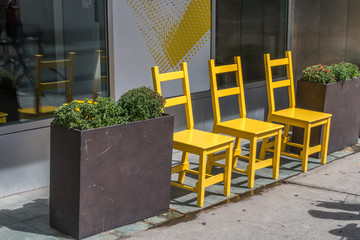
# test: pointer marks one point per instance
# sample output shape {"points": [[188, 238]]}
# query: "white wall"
{"points": [[133, 59]]}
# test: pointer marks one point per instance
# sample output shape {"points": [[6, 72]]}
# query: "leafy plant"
{"points": [[344, 71], [137, 104], [319, 74], [142, 103], [7, 80], [88, 114]]}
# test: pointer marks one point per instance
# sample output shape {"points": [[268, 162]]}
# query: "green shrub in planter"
{"points": [[135, 105], [344, 71], [141, 103], [335, 91], [319, 74], [88, 114]]}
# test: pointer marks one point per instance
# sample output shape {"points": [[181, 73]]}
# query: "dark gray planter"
{"points": [[104, 178], [342, 100]]}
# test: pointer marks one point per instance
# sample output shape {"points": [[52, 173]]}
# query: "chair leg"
{"points": [[252, 160], [200, 186], [325, 141], [228, 168], [276, 157], [209, 163], [285, 137], [184, 159], [236, 152], [263, 148], [305, 151]]}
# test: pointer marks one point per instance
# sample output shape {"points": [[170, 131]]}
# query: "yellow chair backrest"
{"points": [[100, 61], [289, 82], [218, 93], [185, 99], [53, 66]]}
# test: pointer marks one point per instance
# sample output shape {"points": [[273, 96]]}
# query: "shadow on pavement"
{"points": [[345, 212]]}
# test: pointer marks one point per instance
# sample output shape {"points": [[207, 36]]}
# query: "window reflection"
{"points": [[49, 55], [249, 29]]}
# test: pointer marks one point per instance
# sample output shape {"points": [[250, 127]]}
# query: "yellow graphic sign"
{"points": [[174, 31]]}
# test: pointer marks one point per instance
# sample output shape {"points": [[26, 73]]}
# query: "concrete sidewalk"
{"points": [[323, 203]]}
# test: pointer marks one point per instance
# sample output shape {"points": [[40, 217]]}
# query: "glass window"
{"points": [[52, 51], [249, 29]]}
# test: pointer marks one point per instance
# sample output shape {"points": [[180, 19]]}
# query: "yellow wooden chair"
{"points": [[194, 141], [293, 116], [242, 128], [47, 111], [100, 60], [3, 117]]}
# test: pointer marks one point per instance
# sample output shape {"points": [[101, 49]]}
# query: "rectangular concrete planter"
{"points": [[104, 178], [342, 100]]}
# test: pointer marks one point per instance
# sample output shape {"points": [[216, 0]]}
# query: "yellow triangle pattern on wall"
{"points": [[174, 31]]}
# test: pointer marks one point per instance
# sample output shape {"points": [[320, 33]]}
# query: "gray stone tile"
{"points": [[172, 215], [341, 154], [102, 236], [40, 193], [261, 182], [6, 220], [215, 199], [330, 158], [20, 231], [42, 224], [27, 211], [13, 202], [130, 229], [156, 220]]}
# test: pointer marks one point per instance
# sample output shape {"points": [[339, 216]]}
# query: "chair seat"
{"points": [[299, 114], [44, 111], [194, 139], [251, 127], [3, 117]]}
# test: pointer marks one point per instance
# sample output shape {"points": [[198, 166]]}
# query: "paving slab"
{"points": [[342, 175], [25, 215], [286, 212]]}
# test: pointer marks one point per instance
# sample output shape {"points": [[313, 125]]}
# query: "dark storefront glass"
{"points": [[249, 29], [56, 30]]}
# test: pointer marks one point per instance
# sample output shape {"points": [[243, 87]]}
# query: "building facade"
{"points": [[116, 42]]}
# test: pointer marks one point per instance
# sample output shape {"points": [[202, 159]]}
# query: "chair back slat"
{"points": [[225, 68], [216, 93], [282, 83], [174, 101], [185, 99], [171, 76], [271, 85], [228, 92], [53, 65], [279, 62]]}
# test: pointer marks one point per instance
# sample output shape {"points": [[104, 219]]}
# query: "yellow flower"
{"points": [[95, 102], [92, 118], [77, 109], [87, 116], [65, 104], [78, 101], [89, 101]]}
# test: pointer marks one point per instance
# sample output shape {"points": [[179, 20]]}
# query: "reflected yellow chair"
{"points": [[3, 117], [100, 60], [293, 116], [242, 128], [194, 141], [47, 111]]}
